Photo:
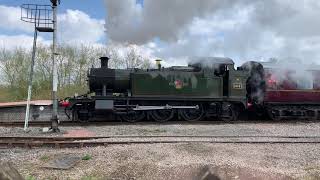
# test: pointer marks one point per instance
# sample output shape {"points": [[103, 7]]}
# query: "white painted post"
{"points": [[26, 120]]}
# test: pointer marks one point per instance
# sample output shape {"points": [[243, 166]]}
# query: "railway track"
{"points": [[79, 142], [37, 123], [101, 123]]}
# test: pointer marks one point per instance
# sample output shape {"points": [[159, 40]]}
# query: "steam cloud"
{"points": [[299, 74], [243, 30], [130, 22]]}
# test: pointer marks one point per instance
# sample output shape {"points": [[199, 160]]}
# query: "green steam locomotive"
{"points": [[208, 87]]}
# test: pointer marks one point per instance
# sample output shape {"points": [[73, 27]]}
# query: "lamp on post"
{"points": [[55, 2]]}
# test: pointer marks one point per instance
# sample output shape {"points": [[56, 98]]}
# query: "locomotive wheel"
{"points": [[74, 116], [192, 114], [273, 114], [82, 117], [162, 115], [315, 115], [230, 115], [133, 116]]}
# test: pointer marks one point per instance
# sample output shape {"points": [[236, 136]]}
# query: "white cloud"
{"points": [[75, 27], [163, 19], [10, 19], [78, 27], [248, 30], [251, 30], [21, 41]]}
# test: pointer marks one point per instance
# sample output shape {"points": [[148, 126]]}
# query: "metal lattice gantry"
{"points": [[40, 15]]}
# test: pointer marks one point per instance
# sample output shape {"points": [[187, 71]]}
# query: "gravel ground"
{"points": [[292, 129], [174, 161]]}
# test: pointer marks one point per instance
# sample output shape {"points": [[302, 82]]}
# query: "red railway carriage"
{"points": [[290, 89], [292, 93]]}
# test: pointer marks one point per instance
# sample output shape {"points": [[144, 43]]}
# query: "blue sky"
{"points": [[75, 19], [86, 13], [95, 8]]}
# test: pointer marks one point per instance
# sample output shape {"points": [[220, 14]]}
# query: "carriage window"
{"points": [[305, 83], [316, 81]]}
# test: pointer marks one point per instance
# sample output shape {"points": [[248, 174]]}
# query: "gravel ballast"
{"points": [[176, 161], [172, 161], [241, 129]]}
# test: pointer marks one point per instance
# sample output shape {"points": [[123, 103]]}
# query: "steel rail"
{"points": [[79, 142], [65, 144], [38, 123], [101, 123], [62, 138]]}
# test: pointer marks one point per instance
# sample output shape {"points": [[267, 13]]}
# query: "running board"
{"points": [[148, 108]]}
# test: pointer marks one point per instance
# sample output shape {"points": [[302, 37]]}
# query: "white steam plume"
{"points": [[243, 29], [164, 19]]}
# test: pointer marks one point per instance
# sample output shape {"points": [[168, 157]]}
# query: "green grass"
{"points": [[4, 94], [30, 178], [39, 93], [86, 157], [44, 158]]}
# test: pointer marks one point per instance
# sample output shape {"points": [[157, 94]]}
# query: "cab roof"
{"points": [[210, 60]]}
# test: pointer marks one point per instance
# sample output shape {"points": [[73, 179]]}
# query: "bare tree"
{"points": [[73, 64], [127, 57], [14, 69]]}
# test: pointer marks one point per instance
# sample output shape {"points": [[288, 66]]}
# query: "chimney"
{"points": [[104, 62]]}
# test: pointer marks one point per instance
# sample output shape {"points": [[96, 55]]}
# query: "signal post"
{"points": [[54, 118]]}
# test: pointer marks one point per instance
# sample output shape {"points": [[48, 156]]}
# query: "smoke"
{"points": [[255, 84], [242, 30], [217, 64], [131, 23], [292, 73]]}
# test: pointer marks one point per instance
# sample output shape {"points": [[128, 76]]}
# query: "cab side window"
{"points": [[219, 70]]}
